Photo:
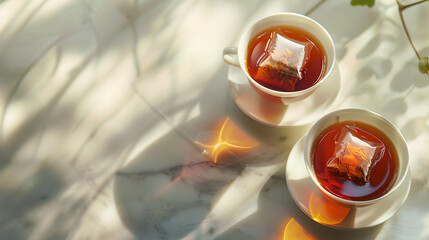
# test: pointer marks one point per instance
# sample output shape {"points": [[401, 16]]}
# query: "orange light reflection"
{"points": [[230, 139], [325, 211], [294, 230]]}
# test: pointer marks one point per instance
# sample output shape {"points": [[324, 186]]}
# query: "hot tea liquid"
{"points": [[311, 59], [383, 172]]}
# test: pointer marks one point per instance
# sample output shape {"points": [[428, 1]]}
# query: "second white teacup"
{"points": [[372, 119]]}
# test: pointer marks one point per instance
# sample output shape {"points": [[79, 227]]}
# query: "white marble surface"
{"points": [[102, 102]]}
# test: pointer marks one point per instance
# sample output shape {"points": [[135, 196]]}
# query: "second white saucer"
{"points": [[324, 211]]}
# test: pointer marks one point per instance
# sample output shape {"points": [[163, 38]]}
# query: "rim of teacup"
{"points": [[365, 116], [323, 37]]}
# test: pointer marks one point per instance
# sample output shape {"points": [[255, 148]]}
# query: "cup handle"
{"points": [[230, 56]]}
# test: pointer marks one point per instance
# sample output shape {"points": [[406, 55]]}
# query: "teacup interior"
{"points": [[367, 117]]}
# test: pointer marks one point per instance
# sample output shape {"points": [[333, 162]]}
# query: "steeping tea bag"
{"points": [[283, 61], [353, 157]]}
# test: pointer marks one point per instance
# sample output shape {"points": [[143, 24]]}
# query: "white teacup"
{"points": [[369, 118], [236, 56]]}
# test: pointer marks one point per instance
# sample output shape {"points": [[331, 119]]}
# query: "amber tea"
{"points": [[355, 161], [285, 58]]}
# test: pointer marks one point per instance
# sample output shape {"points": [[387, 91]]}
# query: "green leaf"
{"points": [[368, 3], [424, 65]]}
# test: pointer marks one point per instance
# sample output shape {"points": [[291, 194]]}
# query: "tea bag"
{"points": [[283, 61], [353, 157]]}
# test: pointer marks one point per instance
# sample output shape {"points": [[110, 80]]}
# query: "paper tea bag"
{"points": [[353, 157], [283, 61]]}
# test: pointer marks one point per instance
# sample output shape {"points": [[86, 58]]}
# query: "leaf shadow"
{"points": [[374, 44], [414, 127], [377, 67], [409, 76]]}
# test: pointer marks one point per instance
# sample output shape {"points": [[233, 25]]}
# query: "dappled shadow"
{"points": [[354, 21], [377, 67], [171, 194], [395, 108], [414, 127], [409, 76], [22, 194], [57, 153], [375, 43], [85, 84]]}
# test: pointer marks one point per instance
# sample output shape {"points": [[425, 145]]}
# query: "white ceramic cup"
{"points": [[236, 56], [369, 118]]}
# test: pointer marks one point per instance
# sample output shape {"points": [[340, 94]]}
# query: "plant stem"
{"points": [[400, 9], [412, 4]]}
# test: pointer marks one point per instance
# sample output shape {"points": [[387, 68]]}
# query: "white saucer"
{"points": [[301, 187], [323, 100]]}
